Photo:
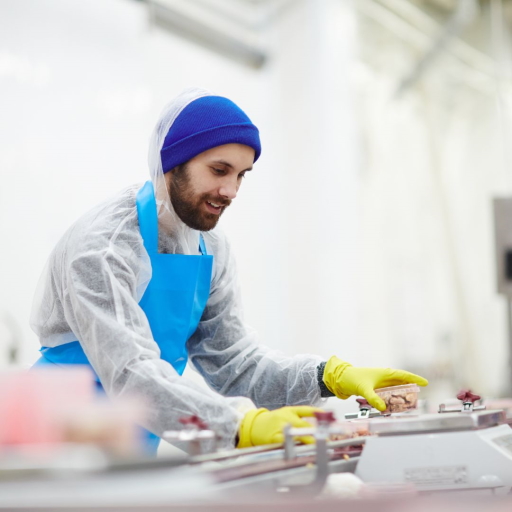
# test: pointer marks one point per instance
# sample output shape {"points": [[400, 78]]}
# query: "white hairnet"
{"points": [[183, 240], [90, 290]]}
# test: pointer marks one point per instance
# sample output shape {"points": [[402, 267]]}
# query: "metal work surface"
{"points": [[479, 458], [391, 503], [260, 472], [449, 422], [412, 454]]}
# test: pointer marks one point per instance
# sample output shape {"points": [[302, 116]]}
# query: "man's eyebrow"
{"points": [[227, 164]]}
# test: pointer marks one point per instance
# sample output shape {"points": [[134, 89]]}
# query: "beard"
{"points": [[189, 206]]}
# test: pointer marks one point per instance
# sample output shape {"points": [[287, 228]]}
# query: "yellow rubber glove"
{"points": [[261, 426], [345, 380]]}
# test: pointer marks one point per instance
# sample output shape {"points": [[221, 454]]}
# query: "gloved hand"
{"points": [[345, 380], [261, 426]]}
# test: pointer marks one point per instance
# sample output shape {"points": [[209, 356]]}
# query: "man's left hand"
{"points": [[345, 380]]}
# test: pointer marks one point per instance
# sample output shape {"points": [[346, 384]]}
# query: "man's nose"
{"points": [[229, 188]]}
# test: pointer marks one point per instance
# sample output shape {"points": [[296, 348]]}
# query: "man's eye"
{"points": [[220, 172], [242, 175]]}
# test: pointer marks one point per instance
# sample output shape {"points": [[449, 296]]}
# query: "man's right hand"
{"points": [[261, 426]]}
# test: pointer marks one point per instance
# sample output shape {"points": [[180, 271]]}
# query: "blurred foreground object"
{"points": [[52, 406], [32, 403], [193, 435]]}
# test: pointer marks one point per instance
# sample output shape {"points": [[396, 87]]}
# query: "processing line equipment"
{"points": [[462, 448]]}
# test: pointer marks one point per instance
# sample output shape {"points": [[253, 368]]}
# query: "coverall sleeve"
{"points": [[101, 307], [226, 352]]}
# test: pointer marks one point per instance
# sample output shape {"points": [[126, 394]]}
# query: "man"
{"points": [[145, 282]]}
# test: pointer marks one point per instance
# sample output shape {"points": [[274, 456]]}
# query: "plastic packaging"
{"points": [[399, 398], [345, 429], [351, 429]]}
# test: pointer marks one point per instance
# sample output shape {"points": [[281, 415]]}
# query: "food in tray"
{"points": [[345, 429], [399, 398], [349, 435]]}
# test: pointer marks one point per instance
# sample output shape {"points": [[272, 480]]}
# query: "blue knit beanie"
{"points": [[205, 123]]}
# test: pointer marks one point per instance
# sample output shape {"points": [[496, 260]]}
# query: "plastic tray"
{"points": [[399, 398]]}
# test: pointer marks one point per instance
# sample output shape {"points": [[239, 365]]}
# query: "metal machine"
{"points": [[468, 448], [437, 452], [455, 449]]}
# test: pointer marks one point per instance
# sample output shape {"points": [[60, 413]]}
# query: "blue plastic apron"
{"points": [[173, 301]]}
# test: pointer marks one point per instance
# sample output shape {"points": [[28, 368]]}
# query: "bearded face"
{"points": [[200, 211], [201, 189]]}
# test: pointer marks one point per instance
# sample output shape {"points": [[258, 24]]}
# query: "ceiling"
{"points": [[472, 30]]}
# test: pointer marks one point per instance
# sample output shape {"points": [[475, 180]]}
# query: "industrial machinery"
{"points": [[464, 449], [455, 449]]}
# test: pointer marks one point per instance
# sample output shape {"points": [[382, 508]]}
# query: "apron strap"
{"points": [[148, 220], [202, 245]]}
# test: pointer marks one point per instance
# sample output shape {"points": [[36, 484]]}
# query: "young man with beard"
{"points": [[145, 282]]}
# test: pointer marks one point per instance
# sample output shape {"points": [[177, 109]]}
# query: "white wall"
{"points": [[81, 85], [434, 157], [319, 178]]}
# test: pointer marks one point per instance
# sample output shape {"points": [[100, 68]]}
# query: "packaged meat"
{"points": [[399, 398]]}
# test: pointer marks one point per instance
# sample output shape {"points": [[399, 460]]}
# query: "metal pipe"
{"points": [[411, 24], [180, 21], [464, 13]]}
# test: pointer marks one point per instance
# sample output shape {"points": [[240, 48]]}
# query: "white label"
{"points": [[439, 475], [504, 442]]}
